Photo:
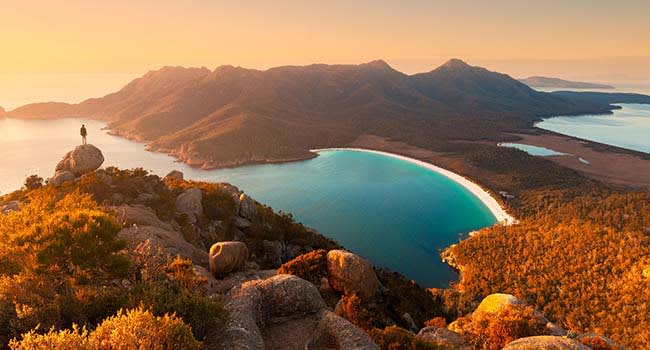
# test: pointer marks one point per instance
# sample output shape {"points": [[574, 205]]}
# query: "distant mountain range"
{"points": [[545, 82], [232, 115]]}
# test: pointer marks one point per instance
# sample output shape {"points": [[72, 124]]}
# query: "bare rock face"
{"points": [[247, 207], [189, 203], [226, 257], [174, 175], [170, 241], [443, 337], [61, 177], [82, 160], [545, 342], [344, 334], [141, 224], [349, 274], [259, 308]]}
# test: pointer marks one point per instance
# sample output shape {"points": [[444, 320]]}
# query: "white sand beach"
{"points": [[492, 204]]}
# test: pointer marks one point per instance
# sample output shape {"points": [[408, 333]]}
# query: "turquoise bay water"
{"points": [[628, 127], [395, 213], [532, 150]]}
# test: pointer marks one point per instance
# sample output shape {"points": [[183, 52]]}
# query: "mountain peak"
{"points": [[455, 63], [378, 64]]}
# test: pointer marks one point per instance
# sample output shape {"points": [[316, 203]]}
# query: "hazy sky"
{"points": [[601, 40]]}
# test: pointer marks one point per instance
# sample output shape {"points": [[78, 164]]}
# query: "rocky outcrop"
{"points": [[174, 175], [189, 203], [342, 333], [443, 337], [247, 207], [545, 342], [82, 160], [61, 177], [349, 274], [497, 303], [258, 309], [226, 257], [141, 224], [8, 207]]}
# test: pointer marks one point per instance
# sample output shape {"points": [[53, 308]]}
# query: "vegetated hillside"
{"points": [[583, 261], [546, 82], [233, 115], [76, 252]]}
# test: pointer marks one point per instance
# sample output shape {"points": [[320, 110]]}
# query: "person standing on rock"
{"points": [[84, 133]]}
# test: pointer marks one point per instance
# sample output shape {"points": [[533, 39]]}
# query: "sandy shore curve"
{"points": [[484, 196]]}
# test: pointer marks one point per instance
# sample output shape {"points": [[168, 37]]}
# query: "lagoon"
{"points": [[532, 150], [395, 213]]}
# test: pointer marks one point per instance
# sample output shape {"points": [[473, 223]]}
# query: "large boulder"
{"points": [[189, 203], [497, 303], [82, 160], [289, 295], [61, 177], [349, 274], [226, 257], [545, 342]]}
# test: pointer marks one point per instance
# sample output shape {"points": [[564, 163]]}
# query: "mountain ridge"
{"points": [[232, 115]]}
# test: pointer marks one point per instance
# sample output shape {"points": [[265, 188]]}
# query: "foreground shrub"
{"points": [[202, 313], [140, 329], [74, 339], [130, 330]]}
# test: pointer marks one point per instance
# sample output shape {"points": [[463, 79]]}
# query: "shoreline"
{"points": [[484, 196]]}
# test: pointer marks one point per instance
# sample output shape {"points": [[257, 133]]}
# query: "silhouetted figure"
{"points": [[84, 133]]}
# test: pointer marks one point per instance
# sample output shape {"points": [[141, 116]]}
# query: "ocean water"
{"points": [[628, 127], [395, 213], [532, 150]]}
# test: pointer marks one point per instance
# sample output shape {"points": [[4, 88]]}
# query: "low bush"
{"points": [[128, 330], [310, 266]]}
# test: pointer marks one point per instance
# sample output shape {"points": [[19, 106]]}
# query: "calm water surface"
{"points": [[628, 127], [395, 213], [532, 150]]}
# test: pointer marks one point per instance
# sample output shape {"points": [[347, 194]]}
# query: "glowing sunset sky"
{"points": [[602, 40]]}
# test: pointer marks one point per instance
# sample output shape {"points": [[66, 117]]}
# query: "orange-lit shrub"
{"points": [[311, 266], [128, 330]]}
